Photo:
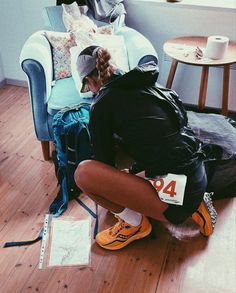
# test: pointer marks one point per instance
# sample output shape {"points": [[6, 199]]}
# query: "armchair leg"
{"points": [[46, 150]]}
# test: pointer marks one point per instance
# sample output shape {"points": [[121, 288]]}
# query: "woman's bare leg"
{"points": [[115, 190]]}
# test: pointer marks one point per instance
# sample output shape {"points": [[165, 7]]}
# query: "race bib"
{"points": [[170, 188]]}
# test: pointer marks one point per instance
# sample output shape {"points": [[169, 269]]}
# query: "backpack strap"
{"points": [[27, 242], [94, 215], [60, 203]]}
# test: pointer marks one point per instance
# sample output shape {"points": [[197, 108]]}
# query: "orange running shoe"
{"points": [[122, 233], [206, 215]]}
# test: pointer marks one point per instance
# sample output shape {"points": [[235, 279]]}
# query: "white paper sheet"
{"points": [[70, 242]]}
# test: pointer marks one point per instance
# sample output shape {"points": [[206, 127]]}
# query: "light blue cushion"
{"points": [[52, 17], [64, 94]]}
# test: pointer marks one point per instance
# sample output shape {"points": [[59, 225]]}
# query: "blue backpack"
{"points": [[72, 145]]}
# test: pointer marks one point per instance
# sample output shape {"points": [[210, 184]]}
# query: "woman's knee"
{"points": [[83, 173]]}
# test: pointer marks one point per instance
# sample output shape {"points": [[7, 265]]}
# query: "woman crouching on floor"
{"points": [[151, 123]]}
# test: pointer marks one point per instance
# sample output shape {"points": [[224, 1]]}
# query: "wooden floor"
{"points": [[178, 260]]}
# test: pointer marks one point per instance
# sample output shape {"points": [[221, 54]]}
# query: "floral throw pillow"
{"points": [[61, 44]]}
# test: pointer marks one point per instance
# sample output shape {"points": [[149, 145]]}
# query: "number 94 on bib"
{"points": [[170, 188]]}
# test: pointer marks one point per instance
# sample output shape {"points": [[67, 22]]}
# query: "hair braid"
{"points": [[104, 68]]}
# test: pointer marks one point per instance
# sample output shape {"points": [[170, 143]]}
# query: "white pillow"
{"points": [[116, 46], [113, 43], [74, 52]]}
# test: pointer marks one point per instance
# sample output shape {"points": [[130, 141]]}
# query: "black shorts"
{"points": [[194, 191]]}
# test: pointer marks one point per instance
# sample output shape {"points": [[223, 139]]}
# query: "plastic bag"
{"points": [[66, 242]]}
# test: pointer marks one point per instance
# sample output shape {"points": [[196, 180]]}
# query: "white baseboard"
{"points": [[2, 82], [13, 82], [16, 82]]}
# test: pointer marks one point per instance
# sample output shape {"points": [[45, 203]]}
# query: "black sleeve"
{"points": [[102, 130]]}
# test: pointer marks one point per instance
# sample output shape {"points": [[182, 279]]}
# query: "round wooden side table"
{"points": [[182, 50]]}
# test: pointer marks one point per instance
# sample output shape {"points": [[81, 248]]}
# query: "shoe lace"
{"points": [[209, 203], [113, 231], [208, 197]]}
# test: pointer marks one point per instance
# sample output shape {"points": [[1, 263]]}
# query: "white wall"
{"points": [[157, 21], [18, 20], [2, 77], [162, 21]]}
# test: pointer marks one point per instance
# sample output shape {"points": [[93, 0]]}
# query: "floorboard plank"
{"points": [[199, 264]]}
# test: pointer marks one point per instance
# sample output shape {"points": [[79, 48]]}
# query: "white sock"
{"points": [[131, 217]]}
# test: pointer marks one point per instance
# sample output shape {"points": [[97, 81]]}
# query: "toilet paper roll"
{"points": [[216, 47]]}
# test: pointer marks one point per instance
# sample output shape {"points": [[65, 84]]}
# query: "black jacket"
{"points": [[149, 119]]}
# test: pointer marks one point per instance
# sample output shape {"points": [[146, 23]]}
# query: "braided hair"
{"points": [[103, 65]]}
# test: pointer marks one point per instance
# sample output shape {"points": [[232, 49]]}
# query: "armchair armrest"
{"points": [[36, 61], [37, 48], [139, 48], [37, 92]]}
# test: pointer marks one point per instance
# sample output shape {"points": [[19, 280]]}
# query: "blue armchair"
{"points": [[48, 97]]}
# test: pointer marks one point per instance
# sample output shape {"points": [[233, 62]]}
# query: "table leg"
{"points": [[225, 90], [171, 73], [203, 87]]}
